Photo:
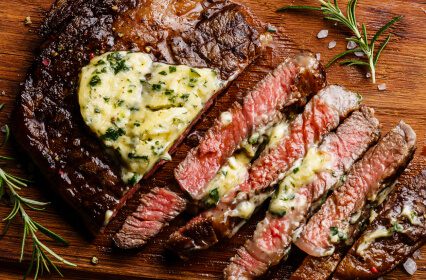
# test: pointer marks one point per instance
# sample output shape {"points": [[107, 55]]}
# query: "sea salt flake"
{"points": [[381, 86], [359, 54], [332, 44], [410, 266], [416, 254], [318, 56], [351, 45], [322, 34], [368, 75]]}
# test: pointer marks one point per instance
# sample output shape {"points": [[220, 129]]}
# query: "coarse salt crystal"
{"points": [[322, 34], [351, 45], [410, 266], [359, 54], [382, 86], [416, 254], [318, 56], [332, 44], [368, 75]]}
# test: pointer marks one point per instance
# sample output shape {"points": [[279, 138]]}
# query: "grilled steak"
{"points": [[367, 178], [48, 124], [273, 236], [156, 209], [321, 115], [398, 230], [294, 81], [392, 153]]}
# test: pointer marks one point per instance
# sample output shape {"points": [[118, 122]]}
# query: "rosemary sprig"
{"points": [[332, 12], [40, 259]]}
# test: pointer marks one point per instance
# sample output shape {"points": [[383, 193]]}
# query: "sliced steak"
{"points": [[273, 236], [398, 230], [156, 209], [313, 268], [321, 115], [47, 120], [294, 81], [330, 225]]}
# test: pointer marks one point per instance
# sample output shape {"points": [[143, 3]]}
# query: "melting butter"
{"points": [[140, 107], [368, 239], [302, 174]]}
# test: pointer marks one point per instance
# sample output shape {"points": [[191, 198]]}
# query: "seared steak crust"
{"points": [[47, 120]]}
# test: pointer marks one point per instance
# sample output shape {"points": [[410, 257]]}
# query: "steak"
{"points": [[156, 208], [321, 115], [402, 225], [47, 120], [273, 236], [330, 225], [294, 81]]}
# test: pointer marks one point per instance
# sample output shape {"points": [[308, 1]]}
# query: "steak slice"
{"points": [[273, 236], [156, 209], [321, 115], [400, 229], [47, 120], [294, 81], [330, 225]]}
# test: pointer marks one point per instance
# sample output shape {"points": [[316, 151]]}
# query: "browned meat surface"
{"points": [[47, 120], [321, 115], [403, 216], [273, 236], [157, 208], [294, 81], [313, 268]]}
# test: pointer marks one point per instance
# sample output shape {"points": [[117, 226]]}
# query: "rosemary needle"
{"points": [[331, 11], [41, 253]]}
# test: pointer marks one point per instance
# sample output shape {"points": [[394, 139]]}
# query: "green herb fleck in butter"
{"points": [[139, 107], [284, 200], [230, 175], [411, 215]]}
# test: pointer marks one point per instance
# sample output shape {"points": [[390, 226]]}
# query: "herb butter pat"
{"points": [[139, 107]]}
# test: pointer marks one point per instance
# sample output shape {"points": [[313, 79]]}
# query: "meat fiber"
{"points": [[294, 81], [47, 120], [156, 209], [321, 115], [367, 178], [273, 236], [403, 218]]}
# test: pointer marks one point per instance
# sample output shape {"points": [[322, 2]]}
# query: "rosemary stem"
{"points": [[372, 69]]}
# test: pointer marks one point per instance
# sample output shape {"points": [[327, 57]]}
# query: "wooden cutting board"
{"points": [[402, 68]]}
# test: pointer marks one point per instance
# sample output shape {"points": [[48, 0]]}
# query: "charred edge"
{"points": [[197, 234], [310, 80]]}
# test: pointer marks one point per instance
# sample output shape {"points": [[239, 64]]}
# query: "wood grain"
{"points": [[401, 67]]}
